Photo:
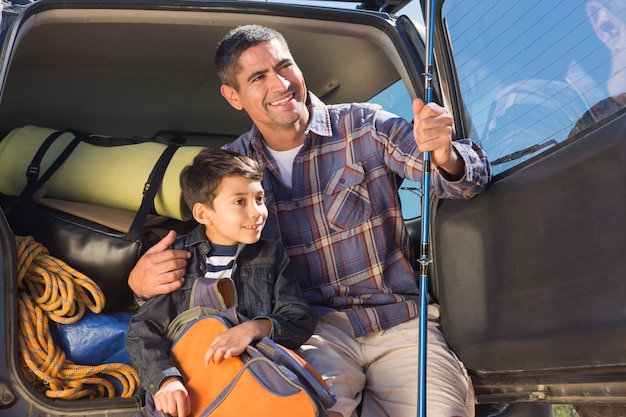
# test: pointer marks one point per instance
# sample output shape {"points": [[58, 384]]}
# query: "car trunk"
{"points": [[133, 70]]}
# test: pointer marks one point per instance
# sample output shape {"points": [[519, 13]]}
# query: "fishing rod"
{"points": [[424, 258]]}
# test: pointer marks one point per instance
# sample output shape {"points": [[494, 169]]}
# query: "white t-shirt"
{"points": [[284, 160]]}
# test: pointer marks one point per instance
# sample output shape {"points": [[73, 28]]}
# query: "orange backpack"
{"points": [[266, 380]]}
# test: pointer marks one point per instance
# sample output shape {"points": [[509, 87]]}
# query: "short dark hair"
{"points": [[200, 181], [236, 42]]}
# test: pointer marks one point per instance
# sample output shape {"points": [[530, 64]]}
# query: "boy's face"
{"points": [[238, 214]]}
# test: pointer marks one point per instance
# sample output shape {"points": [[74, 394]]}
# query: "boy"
{"points": [[223, 190]]}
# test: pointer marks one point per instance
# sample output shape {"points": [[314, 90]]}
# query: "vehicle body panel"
{"points": [[530, 273]]}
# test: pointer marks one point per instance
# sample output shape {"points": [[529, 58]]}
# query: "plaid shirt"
{"points": [[341, 222]]}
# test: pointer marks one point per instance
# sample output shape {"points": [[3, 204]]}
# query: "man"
{"points": [[330, 182]]}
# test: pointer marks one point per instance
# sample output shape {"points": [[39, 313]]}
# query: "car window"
{"points": [[396, 99], [535, 73]]}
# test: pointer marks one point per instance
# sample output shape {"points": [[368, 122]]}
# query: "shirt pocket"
{"points": [[346, 198]]}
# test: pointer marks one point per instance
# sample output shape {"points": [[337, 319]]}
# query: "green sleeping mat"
{"points": [[109, 176]]}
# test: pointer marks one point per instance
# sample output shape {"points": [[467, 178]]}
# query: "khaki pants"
{"points": [[381, 369]]}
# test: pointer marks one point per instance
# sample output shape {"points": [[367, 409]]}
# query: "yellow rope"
{"points": [[51, 289]]}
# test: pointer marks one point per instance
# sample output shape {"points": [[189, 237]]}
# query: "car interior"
{"points": [[119, 72], [116, 73]]}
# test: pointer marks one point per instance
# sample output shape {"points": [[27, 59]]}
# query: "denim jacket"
{"points": [[264, 287]]}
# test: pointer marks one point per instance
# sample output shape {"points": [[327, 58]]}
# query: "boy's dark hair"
{"points": [[236, 42], [200, 181]]}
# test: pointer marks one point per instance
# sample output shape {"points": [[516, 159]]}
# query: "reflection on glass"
{"points": [[534, 72], [609, 23]]}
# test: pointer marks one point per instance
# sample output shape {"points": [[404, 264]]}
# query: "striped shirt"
{"points": [[220, 260], [341, 222]]}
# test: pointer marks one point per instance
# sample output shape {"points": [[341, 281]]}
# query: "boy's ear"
{"points": [[201, 213]]}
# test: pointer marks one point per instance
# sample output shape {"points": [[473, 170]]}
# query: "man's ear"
{"points": [[202, 214], [231, 95], [606, 25]]}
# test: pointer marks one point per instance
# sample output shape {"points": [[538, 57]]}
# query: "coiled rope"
{"points": [[51, 289]]}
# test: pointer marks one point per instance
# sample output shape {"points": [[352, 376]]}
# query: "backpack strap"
{"points": [[209, 296], [32, 171], [217, 293], [150, 190]]}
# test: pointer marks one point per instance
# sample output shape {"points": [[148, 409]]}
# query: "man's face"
{"points": [[610, 28], [271, 87]]}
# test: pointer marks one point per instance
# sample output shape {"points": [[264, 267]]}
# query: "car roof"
{"points": [[136, 68]]}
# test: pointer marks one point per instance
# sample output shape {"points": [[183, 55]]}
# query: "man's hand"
{"points": [[433, 133], [160, 270], [172, 398]]}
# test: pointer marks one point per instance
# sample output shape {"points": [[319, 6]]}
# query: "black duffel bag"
{"points": [[104, 254]]}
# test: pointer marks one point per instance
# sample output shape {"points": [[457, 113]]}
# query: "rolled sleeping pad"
{"points": [[109, 176]]}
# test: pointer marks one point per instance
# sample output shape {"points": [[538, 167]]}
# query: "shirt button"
{"points": [[342, 180]]}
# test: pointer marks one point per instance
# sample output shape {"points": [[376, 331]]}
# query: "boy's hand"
{"points": [[172, 398], [160, 270], [235, 340]]}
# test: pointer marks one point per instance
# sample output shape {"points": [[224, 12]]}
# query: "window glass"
{"points": [[396, 99], [533, 73]]}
